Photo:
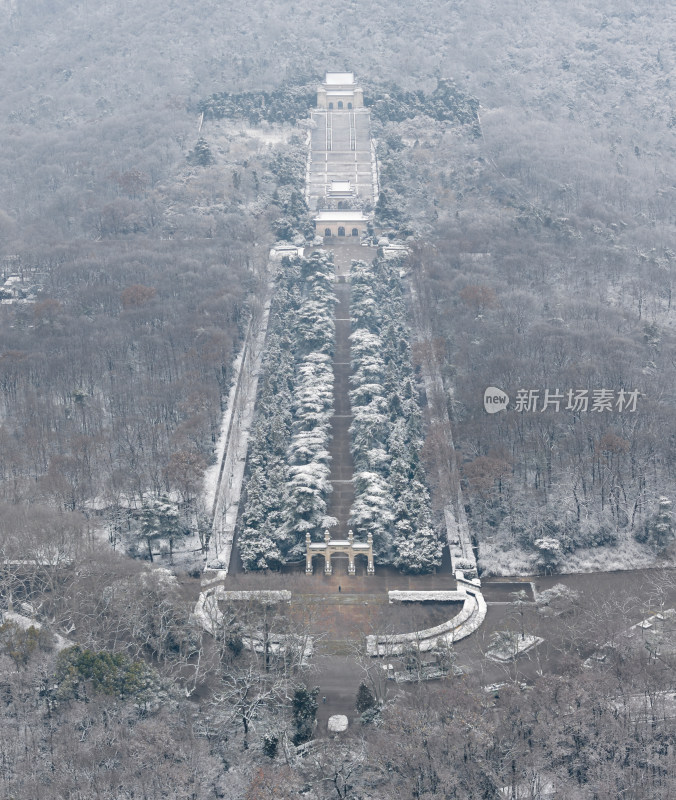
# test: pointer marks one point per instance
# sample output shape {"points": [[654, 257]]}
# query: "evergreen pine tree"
{"points": [[304, 708], [201, 154], [365, 698]]}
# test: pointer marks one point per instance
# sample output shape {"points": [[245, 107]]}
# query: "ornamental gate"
{"points": [[348, 546]]}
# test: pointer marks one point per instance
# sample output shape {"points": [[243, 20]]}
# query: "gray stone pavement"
{"points": [[341, 459]]}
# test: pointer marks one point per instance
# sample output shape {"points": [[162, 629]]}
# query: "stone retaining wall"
{"points": [[225, 493], [399, 596], [458, 627]]}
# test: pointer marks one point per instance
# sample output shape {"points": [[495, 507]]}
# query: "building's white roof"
{"points": [[278, 252], [338, 723], [321, 546], [339, 78], [391, 251], [340, 186], [286, 248], [341, 216]]}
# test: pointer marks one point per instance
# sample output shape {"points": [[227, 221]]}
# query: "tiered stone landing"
{"points": [[342, 174], [341, 151]]}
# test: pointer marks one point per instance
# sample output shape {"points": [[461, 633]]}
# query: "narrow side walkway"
{"points": [[341, 458], [457, 526], [223, 481]]}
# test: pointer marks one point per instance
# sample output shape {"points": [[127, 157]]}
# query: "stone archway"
{"points": [[355, 231], [347, 547], [321, 562], [327, 231], [341, 231], [361, 564]]}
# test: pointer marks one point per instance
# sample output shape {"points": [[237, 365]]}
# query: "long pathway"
{"points": [[223, 481], [341, 459]]}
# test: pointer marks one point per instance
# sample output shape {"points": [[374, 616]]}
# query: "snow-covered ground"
{"points": [[512, 645], [497, 559], [223, 482], [60, 642], [225, 137], [458, 535]]}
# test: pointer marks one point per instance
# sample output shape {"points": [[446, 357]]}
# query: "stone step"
{"points": [[342, 496]]}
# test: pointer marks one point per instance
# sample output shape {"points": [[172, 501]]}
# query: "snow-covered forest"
{"points": [[288, 463], [551, 287], [527, 153], [288, 471], [534, 158], [391, 497]]}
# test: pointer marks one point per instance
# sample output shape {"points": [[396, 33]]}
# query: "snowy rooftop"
{"points": [[339, 78], [340, 216], [338, 723], [278, 252], [339, 543]]}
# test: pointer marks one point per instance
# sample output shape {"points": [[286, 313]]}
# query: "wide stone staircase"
{"points": [[341, 150], [341, 465]]}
